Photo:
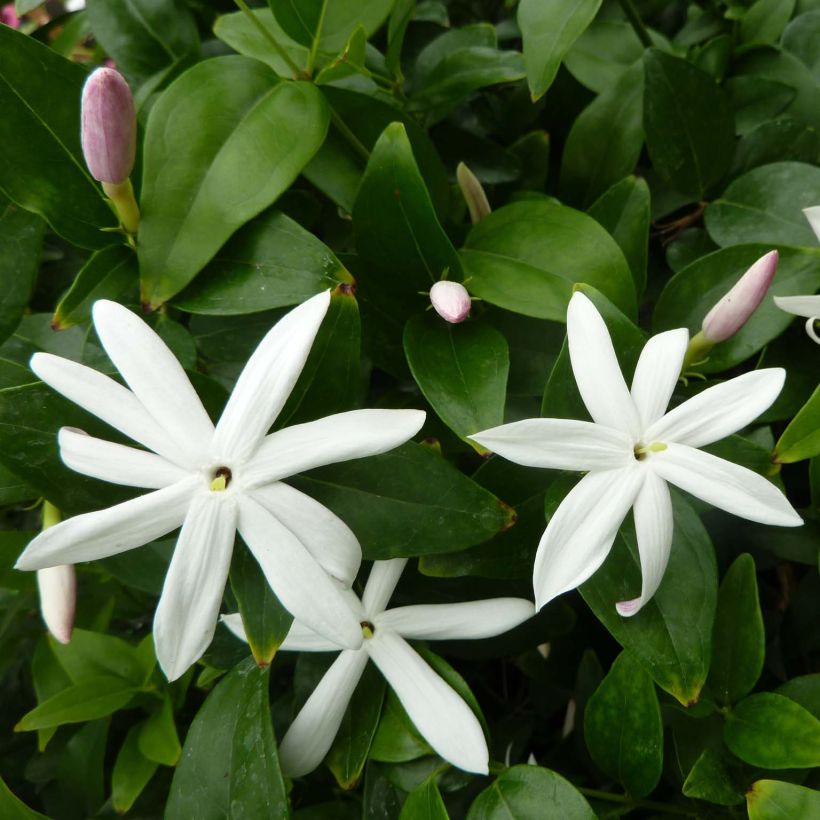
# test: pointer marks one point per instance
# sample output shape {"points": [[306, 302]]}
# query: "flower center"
{"points": [[368, 630], [221, 479], [641, 450]]}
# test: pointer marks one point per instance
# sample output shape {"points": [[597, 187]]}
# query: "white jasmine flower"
{"points": [[807, 306], [213, 480], [444, 720], [631, 450]]}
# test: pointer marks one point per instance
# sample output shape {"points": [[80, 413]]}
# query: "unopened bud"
{"points": [[450, 300], [109, 126], [813, 215], [58, 588], [737, 306], [8, 16], [473, 193]]}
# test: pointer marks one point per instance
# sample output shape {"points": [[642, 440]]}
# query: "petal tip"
{"points": [[627, 609]]}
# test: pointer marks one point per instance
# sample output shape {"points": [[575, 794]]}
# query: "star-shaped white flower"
{"points": [[213, 480], [806, 306], [631, 450], [444, 720]]}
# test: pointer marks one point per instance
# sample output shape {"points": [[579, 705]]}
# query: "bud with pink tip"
{"points": [[450, 300], [8, 16], [58, 588]]}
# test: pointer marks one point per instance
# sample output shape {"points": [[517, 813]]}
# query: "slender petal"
{"points": [[381, 583], [596, 369], [806, 306], [58, 599], [725, 485], [325, 536], [559, 444], [303, 587], [471, 619], [657, 373], [580, 533], [115, 462], [654, 523], [113, 530], [109, 401], [156, 377], [188, 608], [268, 378], [813, 215], [444, 720], [311, 734], [299, 638], [340, 437], [719, 411]]}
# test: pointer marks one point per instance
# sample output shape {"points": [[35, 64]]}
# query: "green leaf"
{"points": [[93, 654], [108, 274], [461, 369], [672, 634], [523, 793], [132, 771], [302, 21], [774, 800], [158, 740], [94, 698], [764, 21], [409, 501], [424, 803], [605, 140], [229, 766], [200, 186], [349, 61], [773, 732], [805, 690], [715, 778], [623, 729], [43, 169], [549, 29], [800, 37], [527, 256], [801, 439], [739, 642], [396, 739], [13, 808], [14, 490], [689, 127]]}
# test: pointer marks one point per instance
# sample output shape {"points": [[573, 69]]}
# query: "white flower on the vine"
{"points": [[806, 306]]}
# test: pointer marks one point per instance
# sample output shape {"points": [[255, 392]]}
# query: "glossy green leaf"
{"points": [[229, 766], [800, 38], [775, 800], [689, 128], [773, 732], [301, 20], [777, 140], [527, 256], [92, 654], [801, 439], [764, 21], [199, 187], [43, 171], [349, 61], [549, 30], [424, 803], [13, 808], [396, 739], [13, 490], [715, 778], [132, 771], [158, 740], [523, 793]]}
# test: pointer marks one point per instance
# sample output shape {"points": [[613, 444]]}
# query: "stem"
{"points": [[625, 800], [349, 135], [697, 350], [51, 515], [297, 72], [121, 195], [314, 46], [635, 20]]}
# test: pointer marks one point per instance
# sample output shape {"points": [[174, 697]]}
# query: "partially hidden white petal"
{"points": [[381, 583], [657, 373], [299, 637], [580, 533], [111, 531], [188, 608], [470, 619], [325, 536], [267, 379], [311, 734], [301, 585], [718, 411], [444, 720], [806, 306], [559, 444], [725, 485], [596, 369], [115, 462], [335, 438], [156, 377], [58, 599], [654, 525], [813, 216]]}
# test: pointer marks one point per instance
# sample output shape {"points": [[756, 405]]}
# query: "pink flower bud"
{"points": [[735, 308], [109, 126], [9, 17], [58, 599], [450, 300]]}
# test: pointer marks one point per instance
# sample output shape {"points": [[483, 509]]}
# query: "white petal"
{"points": [[810, 329], [109, 401], [444, 720], [115, 462], [596, 369], [657, 373], [813, 215], [188, 607], [718, 411], [559, 444], [381, 583], [654, 524], [806, 306], [325, 536], [301, 585], [111, 531], [340, 437], [470, 619], [725, 485], [156, 377], [267, 379], [234, 623], [311, 734], [580, 533], [299, 638], [58, 599]]}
